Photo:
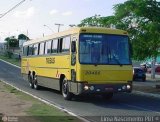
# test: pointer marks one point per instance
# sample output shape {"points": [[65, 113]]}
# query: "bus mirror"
{"points": [[73, 46]]}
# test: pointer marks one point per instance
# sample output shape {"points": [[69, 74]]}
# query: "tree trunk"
{"points": [[153, 68]]}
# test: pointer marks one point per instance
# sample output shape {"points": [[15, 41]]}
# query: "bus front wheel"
{"points": [[65, 90]]}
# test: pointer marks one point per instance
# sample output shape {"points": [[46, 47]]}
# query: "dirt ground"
{"points": [[10, 104], [13, 107]]}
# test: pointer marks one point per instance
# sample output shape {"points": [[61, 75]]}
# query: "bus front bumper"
{"points": [[83, 88]]}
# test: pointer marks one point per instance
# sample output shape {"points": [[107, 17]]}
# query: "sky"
{"points": [[31, 16]]}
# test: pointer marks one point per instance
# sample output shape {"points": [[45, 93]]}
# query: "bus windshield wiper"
{"points": [[118, 62]]}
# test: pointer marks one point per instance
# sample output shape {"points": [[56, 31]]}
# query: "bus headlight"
{"points": [[86, 87], [128, 87]]}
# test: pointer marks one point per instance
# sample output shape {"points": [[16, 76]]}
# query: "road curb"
{"points": [[146, 94]]}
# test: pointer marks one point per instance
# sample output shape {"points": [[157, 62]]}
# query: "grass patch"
{"points": [[11, 89], [11, 60], [41, 111], [46, 113], [1, 117], [19, 94]]}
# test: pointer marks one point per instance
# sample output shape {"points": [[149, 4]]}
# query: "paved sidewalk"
{"points": [[157, 77], [151, 87]]}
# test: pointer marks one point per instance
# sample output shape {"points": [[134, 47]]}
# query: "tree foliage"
{"points": [[141, 19], [12, 41], [22, 37], [98, 21]]}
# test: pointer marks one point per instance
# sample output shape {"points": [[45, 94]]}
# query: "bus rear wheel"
{"points": [[65, 90], [30, 80], [35, 83]]}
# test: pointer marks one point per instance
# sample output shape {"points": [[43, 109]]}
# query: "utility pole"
{"points": [[59, 25]]}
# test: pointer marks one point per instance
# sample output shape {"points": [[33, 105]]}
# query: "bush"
{"points": [[9, 54]]}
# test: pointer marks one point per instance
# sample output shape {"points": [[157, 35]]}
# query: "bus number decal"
{"points": [[50, 60], [92, 73]]}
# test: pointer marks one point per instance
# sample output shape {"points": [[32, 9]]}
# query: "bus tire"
{"points": [[65, 90], [108, 96], [35, 83], [30, 80]]}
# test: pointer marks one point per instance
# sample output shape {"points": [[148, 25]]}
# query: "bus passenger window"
{"points": [[54, 46], [66, 44], [48, 47], [30, 52], [35, 49], [41, 50], [25, 50]]}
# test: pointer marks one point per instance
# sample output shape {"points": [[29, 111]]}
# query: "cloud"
{"points": [[67, 13], [25, 14], [54, 11]]}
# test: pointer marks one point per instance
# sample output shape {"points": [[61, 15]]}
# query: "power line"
{"points": [[2, 15]]}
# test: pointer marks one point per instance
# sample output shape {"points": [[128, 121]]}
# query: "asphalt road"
{"points": [[90, 107]]}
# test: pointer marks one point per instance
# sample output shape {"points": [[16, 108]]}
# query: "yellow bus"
{"points": [[81, 60]]}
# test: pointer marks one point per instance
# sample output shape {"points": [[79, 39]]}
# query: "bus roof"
{"points": [[75, 30]]}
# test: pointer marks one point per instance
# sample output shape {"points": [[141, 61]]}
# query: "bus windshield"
{"points": [[104, 49]]}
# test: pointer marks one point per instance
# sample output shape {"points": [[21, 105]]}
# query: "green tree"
{"points": [[22, 37], [141, 19], [11, 42], [98, 21]]}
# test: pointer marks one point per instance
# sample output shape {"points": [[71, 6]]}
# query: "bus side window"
{"points": [[66, 44], [48, 47], [60, 42], [54, 46], [41, 48], [35, 49], [30, 50], [25, 51]]}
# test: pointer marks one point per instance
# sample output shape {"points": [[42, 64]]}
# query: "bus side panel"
{"points": [[48, 69]]}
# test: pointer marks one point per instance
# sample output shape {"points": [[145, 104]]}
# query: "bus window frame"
{"points": [[46, 53], [26, 51], [43, 48], [37, 50], [29, 50], [67, 52]]}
